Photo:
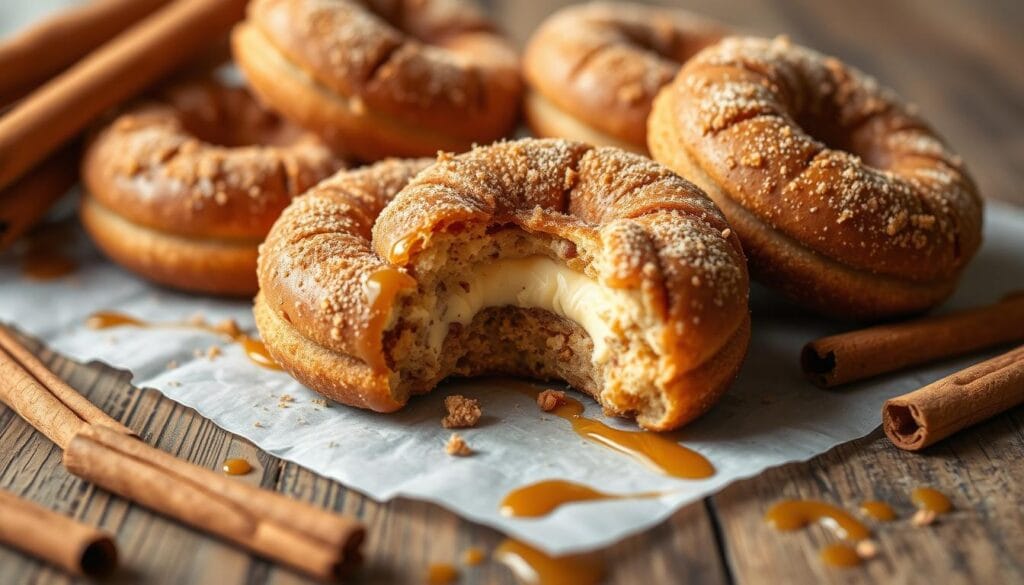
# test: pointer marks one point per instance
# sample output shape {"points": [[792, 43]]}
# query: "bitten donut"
{"points": [[844, 198], [183, 188], [592, 70], [540, 258], [377, 79]]}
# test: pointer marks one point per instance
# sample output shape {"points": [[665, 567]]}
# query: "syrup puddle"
{"points": [[533, 567], [544, 497]]}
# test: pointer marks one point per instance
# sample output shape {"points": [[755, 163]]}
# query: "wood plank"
{"points": [[981, 541]]}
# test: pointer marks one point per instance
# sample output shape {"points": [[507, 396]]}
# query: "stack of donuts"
{"points": [[611, 251]]}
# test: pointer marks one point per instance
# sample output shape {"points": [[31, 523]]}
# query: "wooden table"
{"points": [[961, 61]]}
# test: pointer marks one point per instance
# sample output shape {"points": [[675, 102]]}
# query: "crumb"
{"points": [[867, 549], [923, 518], [285, 400], [172, 364], [213, 352], [321, 402], [174, 384], [549, 400], [258, 425], [228, 327], [332, 444], [457, 446], [462, 412]]}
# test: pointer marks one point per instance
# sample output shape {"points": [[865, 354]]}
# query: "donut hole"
{"points": [[230, 118], [824, 127]]}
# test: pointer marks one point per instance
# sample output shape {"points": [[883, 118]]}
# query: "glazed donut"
{"points": [[377, 79], [844, 199], [592, 70], [179, 190], [543, 258]]}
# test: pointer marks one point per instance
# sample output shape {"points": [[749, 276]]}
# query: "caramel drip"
{"points": [[542, 498], [441, 574], [236, 467], [473, 556], [533, 567], [402, 249], [840, 554], [254, 349], [45, 256], [46, 265], [380, 288], [931, 500], [878, 510], [795, 514], [655, 450]]}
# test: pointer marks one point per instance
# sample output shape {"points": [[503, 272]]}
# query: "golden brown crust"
{"points": [[323, 298], [845, 199], [178, 176], [382, 79], [602, 63]]}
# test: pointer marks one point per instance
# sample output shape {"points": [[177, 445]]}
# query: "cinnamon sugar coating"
{"points": [[380, 78], [182, 188], [831, 180], [603, 62], [356, 273]]}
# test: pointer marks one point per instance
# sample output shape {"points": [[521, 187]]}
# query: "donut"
{"points": [[181, 189], [844, 198], [541, 258], [592, 70], [378, 79]]}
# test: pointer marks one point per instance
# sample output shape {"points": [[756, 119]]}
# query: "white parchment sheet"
{"points": [[771, 415]]}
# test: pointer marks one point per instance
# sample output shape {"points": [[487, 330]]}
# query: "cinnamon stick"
{"points": [[45, 48], [847, 357], [26, 201], [101, 450], [121, 68], [77, 548], [932, 413], [43, 399], [269, 524]]}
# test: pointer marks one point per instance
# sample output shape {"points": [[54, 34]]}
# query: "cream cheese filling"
{"points": [[538, 282]]}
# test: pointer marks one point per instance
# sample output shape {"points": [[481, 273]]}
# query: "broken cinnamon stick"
{"points": [[269, 524], [77, 548], [932, 413], [848, 357], [56, 112], [45, 48]]}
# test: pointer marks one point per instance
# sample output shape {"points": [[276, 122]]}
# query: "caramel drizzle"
{"points": [[533, 567], [544, 497], [878, 510], [931, 500], [442, 574], [254, 349], [380, 289], [840, 554], [44, 257], [791, 515], [654, 450], [236, 466]]}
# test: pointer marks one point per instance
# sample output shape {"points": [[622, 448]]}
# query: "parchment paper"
{"points": [[771, 416]]}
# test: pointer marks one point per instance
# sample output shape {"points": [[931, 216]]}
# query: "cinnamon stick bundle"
{"points": [[269, 524], [848, 357], [103, 451], [56, 112], [77, 548], [44, 49], [43, 399], [932, 413]]}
